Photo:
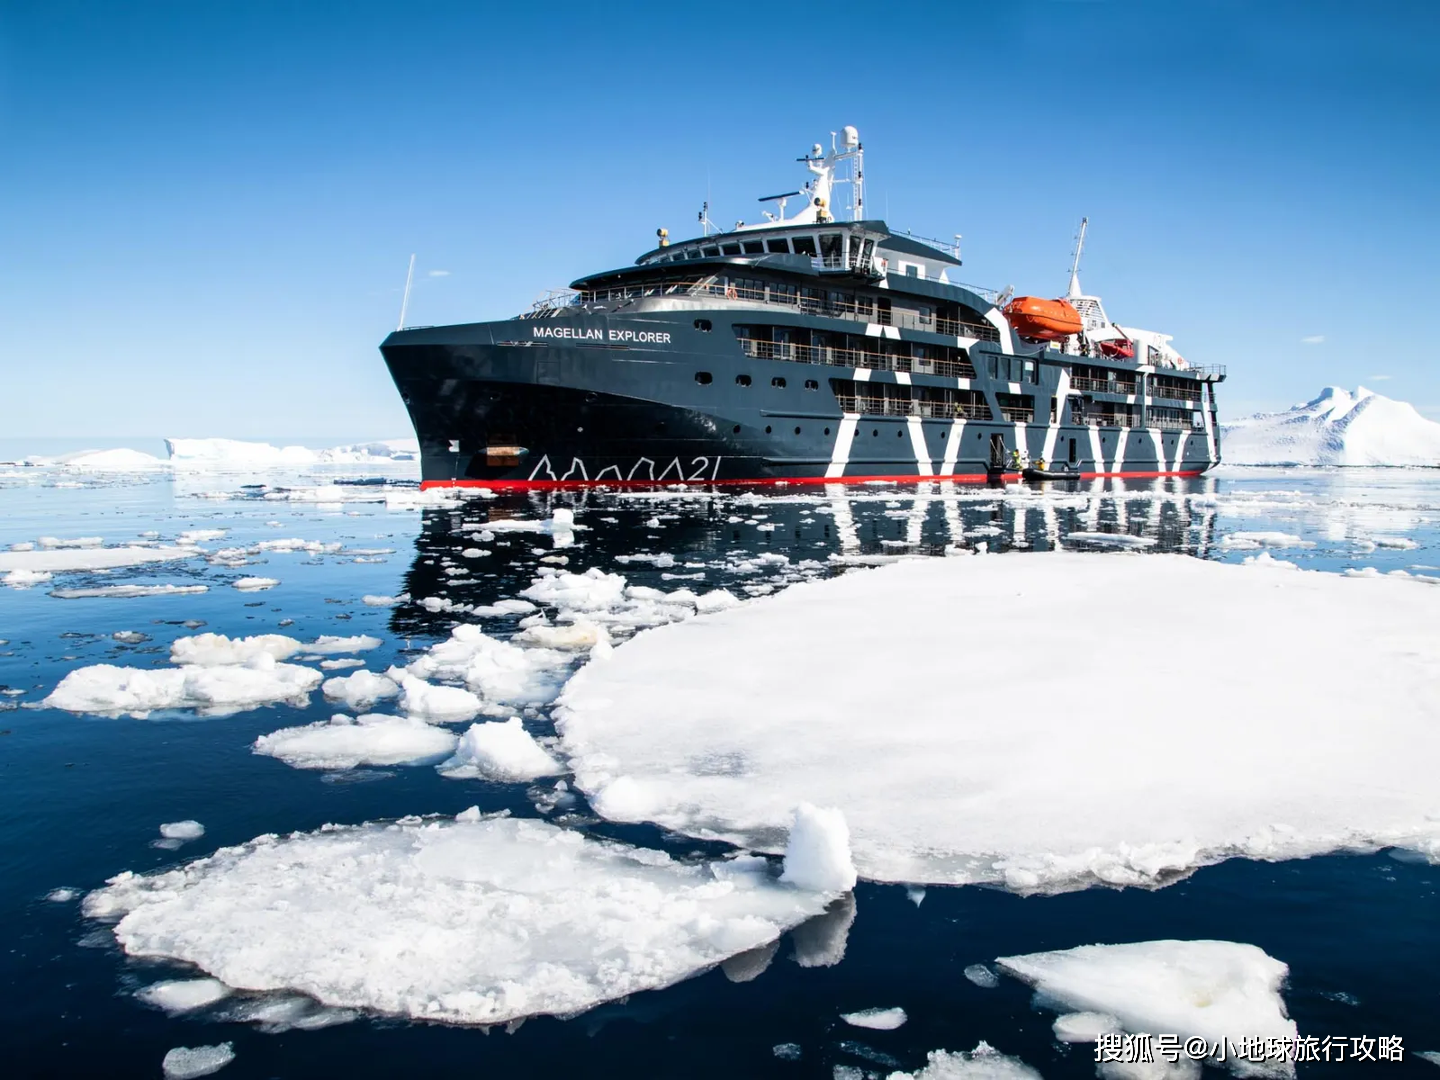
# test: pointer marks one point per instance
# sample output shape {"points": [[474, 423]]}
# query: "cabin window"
{"points": [[742, 380], [994, 367], [730, 249], [804, 245], [1029, 371], [782, 294], [811, 384], [692, 254], [703, 325], [710, 252], [704, 378], [778, 382], [911, 270], [778, 246]]}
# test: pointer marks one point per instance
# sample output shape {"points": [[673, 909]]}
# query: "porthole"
{"points": [[898, 434], [703, 325], [767, 429], [827, 431], [811, 384], [778, 382], [736, 429], [875, 433], [704, 378], [797, 431], [742, 380]]}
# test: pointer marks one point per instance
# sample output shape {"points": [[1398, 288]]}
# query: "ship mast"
{"points": [[1075, 267]]}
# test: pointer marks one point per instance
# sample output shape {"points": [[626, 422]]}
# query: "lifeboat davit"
{"points": [[1043, 320]]}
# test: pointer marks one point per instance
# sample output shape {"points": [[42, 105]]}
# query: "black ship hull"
{"points": [[667, 398]]}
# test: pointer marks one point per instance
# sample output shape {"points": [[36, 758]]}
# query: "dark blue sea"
{"points": [[81, 797]]}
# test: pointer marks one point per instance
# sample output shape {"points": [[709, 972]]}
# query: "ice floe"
{"points": [[1220, 991], [440, 703], [1025, 776], [503, 674], [184, 995], [211, 650], [343, 743], [472, 920], [982, 1063], [500, 751], [70, 557], [25, 579], [109, 690], [189, 1062], [211, 453], [254, 584], [188, 829], [878, 1019], [359, 689], [128, 592], [982, 976]]}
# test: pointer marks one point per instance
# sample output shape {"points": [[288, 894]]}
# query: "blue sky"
{"points": [[206, 209]]}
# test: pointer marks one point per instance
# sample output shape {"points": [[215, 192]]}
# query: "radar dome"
{"points": [[852, 137]]}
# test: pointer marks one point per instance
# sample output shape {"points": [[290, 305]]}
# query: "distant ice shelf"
{"points": [[1336, 428]]}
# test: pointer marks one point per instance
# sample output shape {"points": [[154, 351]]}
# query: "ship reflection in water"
{"points": [[483, 550]]}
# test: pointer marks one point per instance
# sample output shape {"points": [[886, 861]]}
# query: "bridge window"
{"points": [[804, 245], [778, 246], [710, 252], [832, 249], [730, 249], [754, 247]]}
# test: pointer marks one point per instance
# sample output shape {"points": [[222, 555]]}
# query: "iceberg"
{"points": [[1336, 428], [941, 706]]}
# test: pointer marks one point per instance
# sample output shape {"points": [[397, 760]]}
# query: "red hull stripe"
{"points": [[966, 478]]}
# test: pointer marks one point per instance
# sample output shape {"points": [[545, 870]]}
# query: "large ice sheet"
{"points": [[468, 920], [982, 1063], [1044, 721], [343, 743], [1214, 990]]}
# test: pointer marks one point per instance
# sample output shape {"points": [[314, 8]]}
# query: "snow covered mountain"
{"points": [[1337, 428]]}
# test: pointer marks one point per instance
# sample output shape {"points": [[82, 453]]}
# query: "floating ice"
{"points": [[188, 829], [109, 690], [359, 689], [469, 921], [1215, 990], [982, 976], [982, 1063], [62, 895], [211, 453], [111, 460], [184, 995], [383, 601], [442, 703], [504, 674], [186, 1062], [1249, 540], [1084, 1026], [24, 579], [342, 662], [817, 853], [878, 1019], [212, 650], [128, 592], [255, 584], [1070, 789], [343, 743], [1109, 539], [70, 557], [500, 751]]}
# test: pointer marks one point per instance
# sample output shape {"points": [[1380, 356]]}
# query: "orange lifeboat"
{"points": [[1043, 320]]}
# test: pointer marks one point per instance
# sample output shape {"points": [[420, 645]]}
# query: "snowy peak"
{"points": [[1335, 428]]}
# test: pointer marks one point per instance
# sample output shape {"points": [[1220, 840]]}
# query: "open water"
{"points": [[81, 797]]}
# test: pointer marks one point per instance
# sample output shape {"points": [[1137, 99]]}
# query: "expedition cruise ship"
{"points": [[803, 349]]}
